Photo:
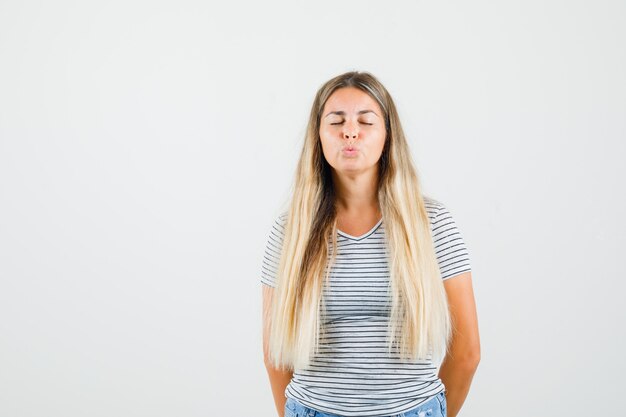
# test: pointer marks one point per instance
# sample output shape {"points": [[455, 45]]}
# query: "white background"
{"points": [[146, 147]]}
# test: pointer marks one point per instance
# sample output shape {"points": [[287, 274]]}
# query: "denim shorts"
{"points": [[435, 407]]}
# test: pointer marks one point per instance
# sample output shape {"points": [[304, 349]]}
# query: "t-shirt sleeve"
{"points": [[271, 257], [450, 249]]}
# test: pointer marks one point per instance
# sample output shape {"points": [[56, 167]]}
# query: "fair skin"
{"points": [[351, 118], [459, 365]]}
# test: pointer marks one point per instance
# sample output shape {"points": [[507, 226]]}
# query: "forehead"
{"points": [[350, 100]]}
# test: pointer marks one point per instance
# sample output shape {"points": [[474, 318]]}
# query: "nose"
{"points": [[350, 132]]}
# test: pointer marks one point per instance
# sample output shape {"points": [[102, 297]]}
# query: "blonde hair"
{"points": [[419, 322]]}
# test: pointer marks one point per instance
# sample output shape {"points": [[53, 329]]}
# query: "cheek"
{"points": [[381, 145], [326, 148], [326, 135], [327, 141], [377, 148], [375, 136]]}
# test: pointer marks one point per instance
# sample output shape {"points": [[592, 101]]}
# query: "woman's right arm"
{"points": [[279, 379]]}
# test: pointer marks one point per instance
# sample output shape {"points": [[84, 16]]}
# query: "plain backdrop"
{"points": [[147, 146]]}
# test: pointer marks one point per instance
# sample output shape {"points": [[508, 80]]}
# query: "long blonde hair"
{"points": [[420, 321]]}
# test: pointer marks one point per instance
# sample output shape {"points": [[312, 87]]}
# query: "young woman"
{"points": [[366, 281]]}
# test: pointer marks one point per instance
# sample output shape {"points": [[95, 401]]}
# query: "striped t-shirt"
{"points": [[353, 375]]}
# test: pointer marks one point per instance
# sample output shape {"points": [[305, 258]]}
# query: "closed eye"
{"points": [[361, 122]]}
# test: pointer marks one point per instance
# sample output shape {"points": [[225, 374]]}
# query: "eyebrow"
{"points": [[342, 113]]}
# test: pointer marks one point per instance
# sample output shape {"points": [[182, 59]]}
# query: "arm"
{"points": [[459, 365], [279, 379]]}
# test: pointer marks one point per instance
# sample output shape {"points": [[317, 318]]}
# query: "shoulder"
{"points": [[442, 220], [434, 207], [277, 230], [280, 220]]}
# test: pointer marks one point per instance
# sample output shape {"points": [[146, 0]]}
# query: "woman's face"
{"points": [[352, 131]]}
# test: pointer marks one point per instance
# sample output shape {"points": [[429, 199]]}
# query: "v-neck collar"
{"points": [[363, 236]]}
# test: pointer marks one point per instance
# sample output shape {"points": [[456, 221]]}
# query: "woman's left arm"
{"points": [[459, 365]]}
